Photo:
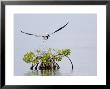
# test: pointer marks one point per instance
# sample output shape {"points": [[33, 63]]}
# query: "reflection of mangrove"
{"points": [[43, 73], [46, 59]]}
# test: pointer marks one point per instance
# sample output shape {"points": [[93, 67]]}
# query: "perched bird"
{"points": [[46, 35]]}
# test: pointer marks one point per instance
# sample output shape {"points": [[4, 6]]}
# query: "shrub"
{"points": [[47, 58]]}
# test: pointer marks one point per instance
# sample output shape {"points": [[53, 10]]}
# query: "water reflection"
{"points": [[43, 73]]}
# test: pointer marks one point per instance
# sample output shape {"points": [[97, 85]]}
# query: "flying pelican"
{"points": [[46, 35]]}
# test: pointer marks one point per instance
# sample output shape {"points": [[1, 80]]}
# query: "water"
{"points": [[46, 73]]}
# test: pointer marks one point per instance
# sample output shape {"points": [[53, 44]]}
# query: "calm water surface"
{"points": [[46, 73]]}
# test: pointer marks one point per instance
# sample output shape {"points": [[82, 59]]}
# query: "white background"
{"points": [[56, 80]]}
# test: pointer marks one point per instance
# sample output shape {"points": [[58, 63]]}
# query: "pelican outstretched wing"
{"points": [[30, 34], [60, 28]]}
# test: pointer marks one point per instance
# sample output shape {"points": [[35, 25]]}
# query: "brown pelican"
{"points": [[46, 35]]}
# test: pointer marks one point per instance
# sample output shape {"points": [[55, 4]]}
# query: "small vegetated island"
{"points": [[46, 59]]}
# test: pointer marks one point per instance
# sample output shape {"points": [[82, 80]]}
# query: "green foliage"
{"points": [[44, 56], [28, 57], [35, 60], [66, 52], [57, 58], [38, 50]]}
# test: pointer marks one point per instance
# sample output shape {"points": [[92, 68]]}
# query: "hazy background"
{"points": [[80, 35]]}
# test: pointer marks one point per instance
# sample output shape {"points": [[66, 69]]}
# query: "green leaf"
{"points": [[28, 57], [38, 50], [54, 54]]}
